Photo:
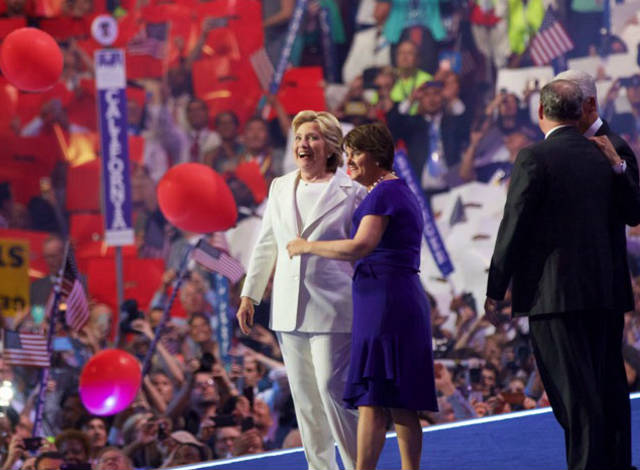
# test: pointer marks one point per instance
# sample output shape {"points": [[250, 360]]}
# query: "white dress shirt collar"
{"points": [[546, 136], [593, 128]]}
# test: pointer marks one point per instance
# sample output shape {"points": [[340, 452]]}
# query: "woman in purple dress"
{"points": [[391, 359]]}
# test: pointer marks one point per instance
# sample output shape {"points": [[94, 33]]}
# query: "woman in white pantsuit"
{"points": [[311, 306]]}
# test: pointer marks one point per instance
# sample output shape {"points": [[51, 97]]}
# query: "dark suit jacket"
{"points": [[554, 241], [414, 131], [626, 212], [39, 291]]}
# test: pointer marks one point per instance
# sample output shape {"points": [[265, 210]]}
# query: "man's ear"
{"points": [[540, 112]]}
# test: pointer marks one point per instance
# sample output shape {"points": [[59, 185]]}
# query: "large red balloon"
{"points": [[109, 382], [31, 59], [195, 198]]}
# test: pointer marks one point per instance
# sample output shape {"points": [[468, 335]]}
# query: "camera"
{"points": [[247, 423], [129, 312], [32, 444], [76, 466], [207, 361], [248, 393], [441, 347], [475, 376], [369, 77], [513, 398], [162, 432], [222, 421]]}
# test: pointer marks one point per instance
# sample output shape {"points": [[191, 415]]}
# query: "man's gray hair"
{"points": [[561, 101], [585, 81]]}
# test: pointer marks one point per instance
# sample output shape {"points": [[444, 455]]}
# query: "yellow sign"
{"points": [[14, 275]]}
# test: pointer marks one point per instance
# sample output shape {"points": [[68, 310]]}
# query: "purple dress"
{"points": [[391, 357]]}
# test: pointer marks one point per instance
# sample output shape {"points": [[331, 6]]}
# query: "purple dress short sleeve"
{"points": [[391, 357]]}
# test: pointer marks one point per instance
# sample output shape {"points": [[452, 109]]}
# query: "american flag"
{"points": [[217, 261], [550, 41], [458, 213], [73, 295], [263, 67], [151, 41], [25, 349]]}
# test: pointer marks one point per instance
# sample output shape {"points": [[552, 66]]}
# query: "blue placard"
{"points": [[112, 116], [224, 333], [431, 234]]}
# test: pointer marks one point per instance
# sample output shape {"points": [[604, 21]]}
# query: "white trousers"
{"points": [[317, 365]]}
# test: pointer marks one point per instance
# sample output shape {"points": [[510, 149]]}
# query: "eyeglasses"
{"points": [[205, 384]]}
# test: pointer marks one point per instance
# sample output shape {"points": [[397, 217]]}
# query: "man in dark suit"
{"points": [[433, 137], [52, 252], [555, 246], [626, 212]]}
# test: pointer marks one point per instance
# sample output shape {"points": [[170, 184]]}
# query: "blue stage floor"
{"points": [[523, 441]]}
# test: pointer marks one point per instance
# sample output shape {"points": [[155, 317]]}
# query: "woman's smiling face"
{"points": [[362, 167], [310, 149]]}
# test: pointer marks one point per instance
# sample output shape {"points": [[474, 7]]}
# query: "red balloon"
{"points": [[109, 382], [195, 198], [249, 173], [31, 59]]}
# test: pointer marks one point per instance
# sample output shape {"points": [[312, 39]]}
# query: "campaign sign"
{"points": [[14, 276], [112, 116]]}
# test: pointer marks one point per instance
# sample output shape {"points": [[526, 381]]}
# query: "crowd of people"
{"points": [[427, 68]]}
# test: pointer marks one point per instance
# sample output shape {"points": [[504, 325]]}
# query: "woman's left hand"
{"points": [[297, 247]]}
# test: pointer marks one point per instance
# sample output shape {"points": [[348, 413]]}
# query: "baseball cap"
{"points": [[430, 84]]}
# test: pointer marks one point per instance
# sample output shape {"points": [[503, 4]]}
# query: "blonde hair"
{"points": [[331, 133]]}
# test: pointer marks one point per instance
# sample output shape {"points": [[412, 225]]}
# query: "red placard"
{"points": [[141, 279], [9, 96], [86, 229], [244, 19], [146, 49], [136, 149], [24, 160], [48, 8], [183, 26], [302, 88], [65, 27], [23, 178], [83, 187], [81, 109], [10, 24], [227, 85]]}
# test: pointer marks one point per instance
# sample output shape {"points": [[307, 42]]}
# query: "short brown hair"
{"points": [[331, 133], [73, 435], [375, 139]]}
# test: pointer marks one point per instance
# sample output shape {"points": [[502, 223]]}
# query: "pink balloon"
{"points": [[109, 382]]}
